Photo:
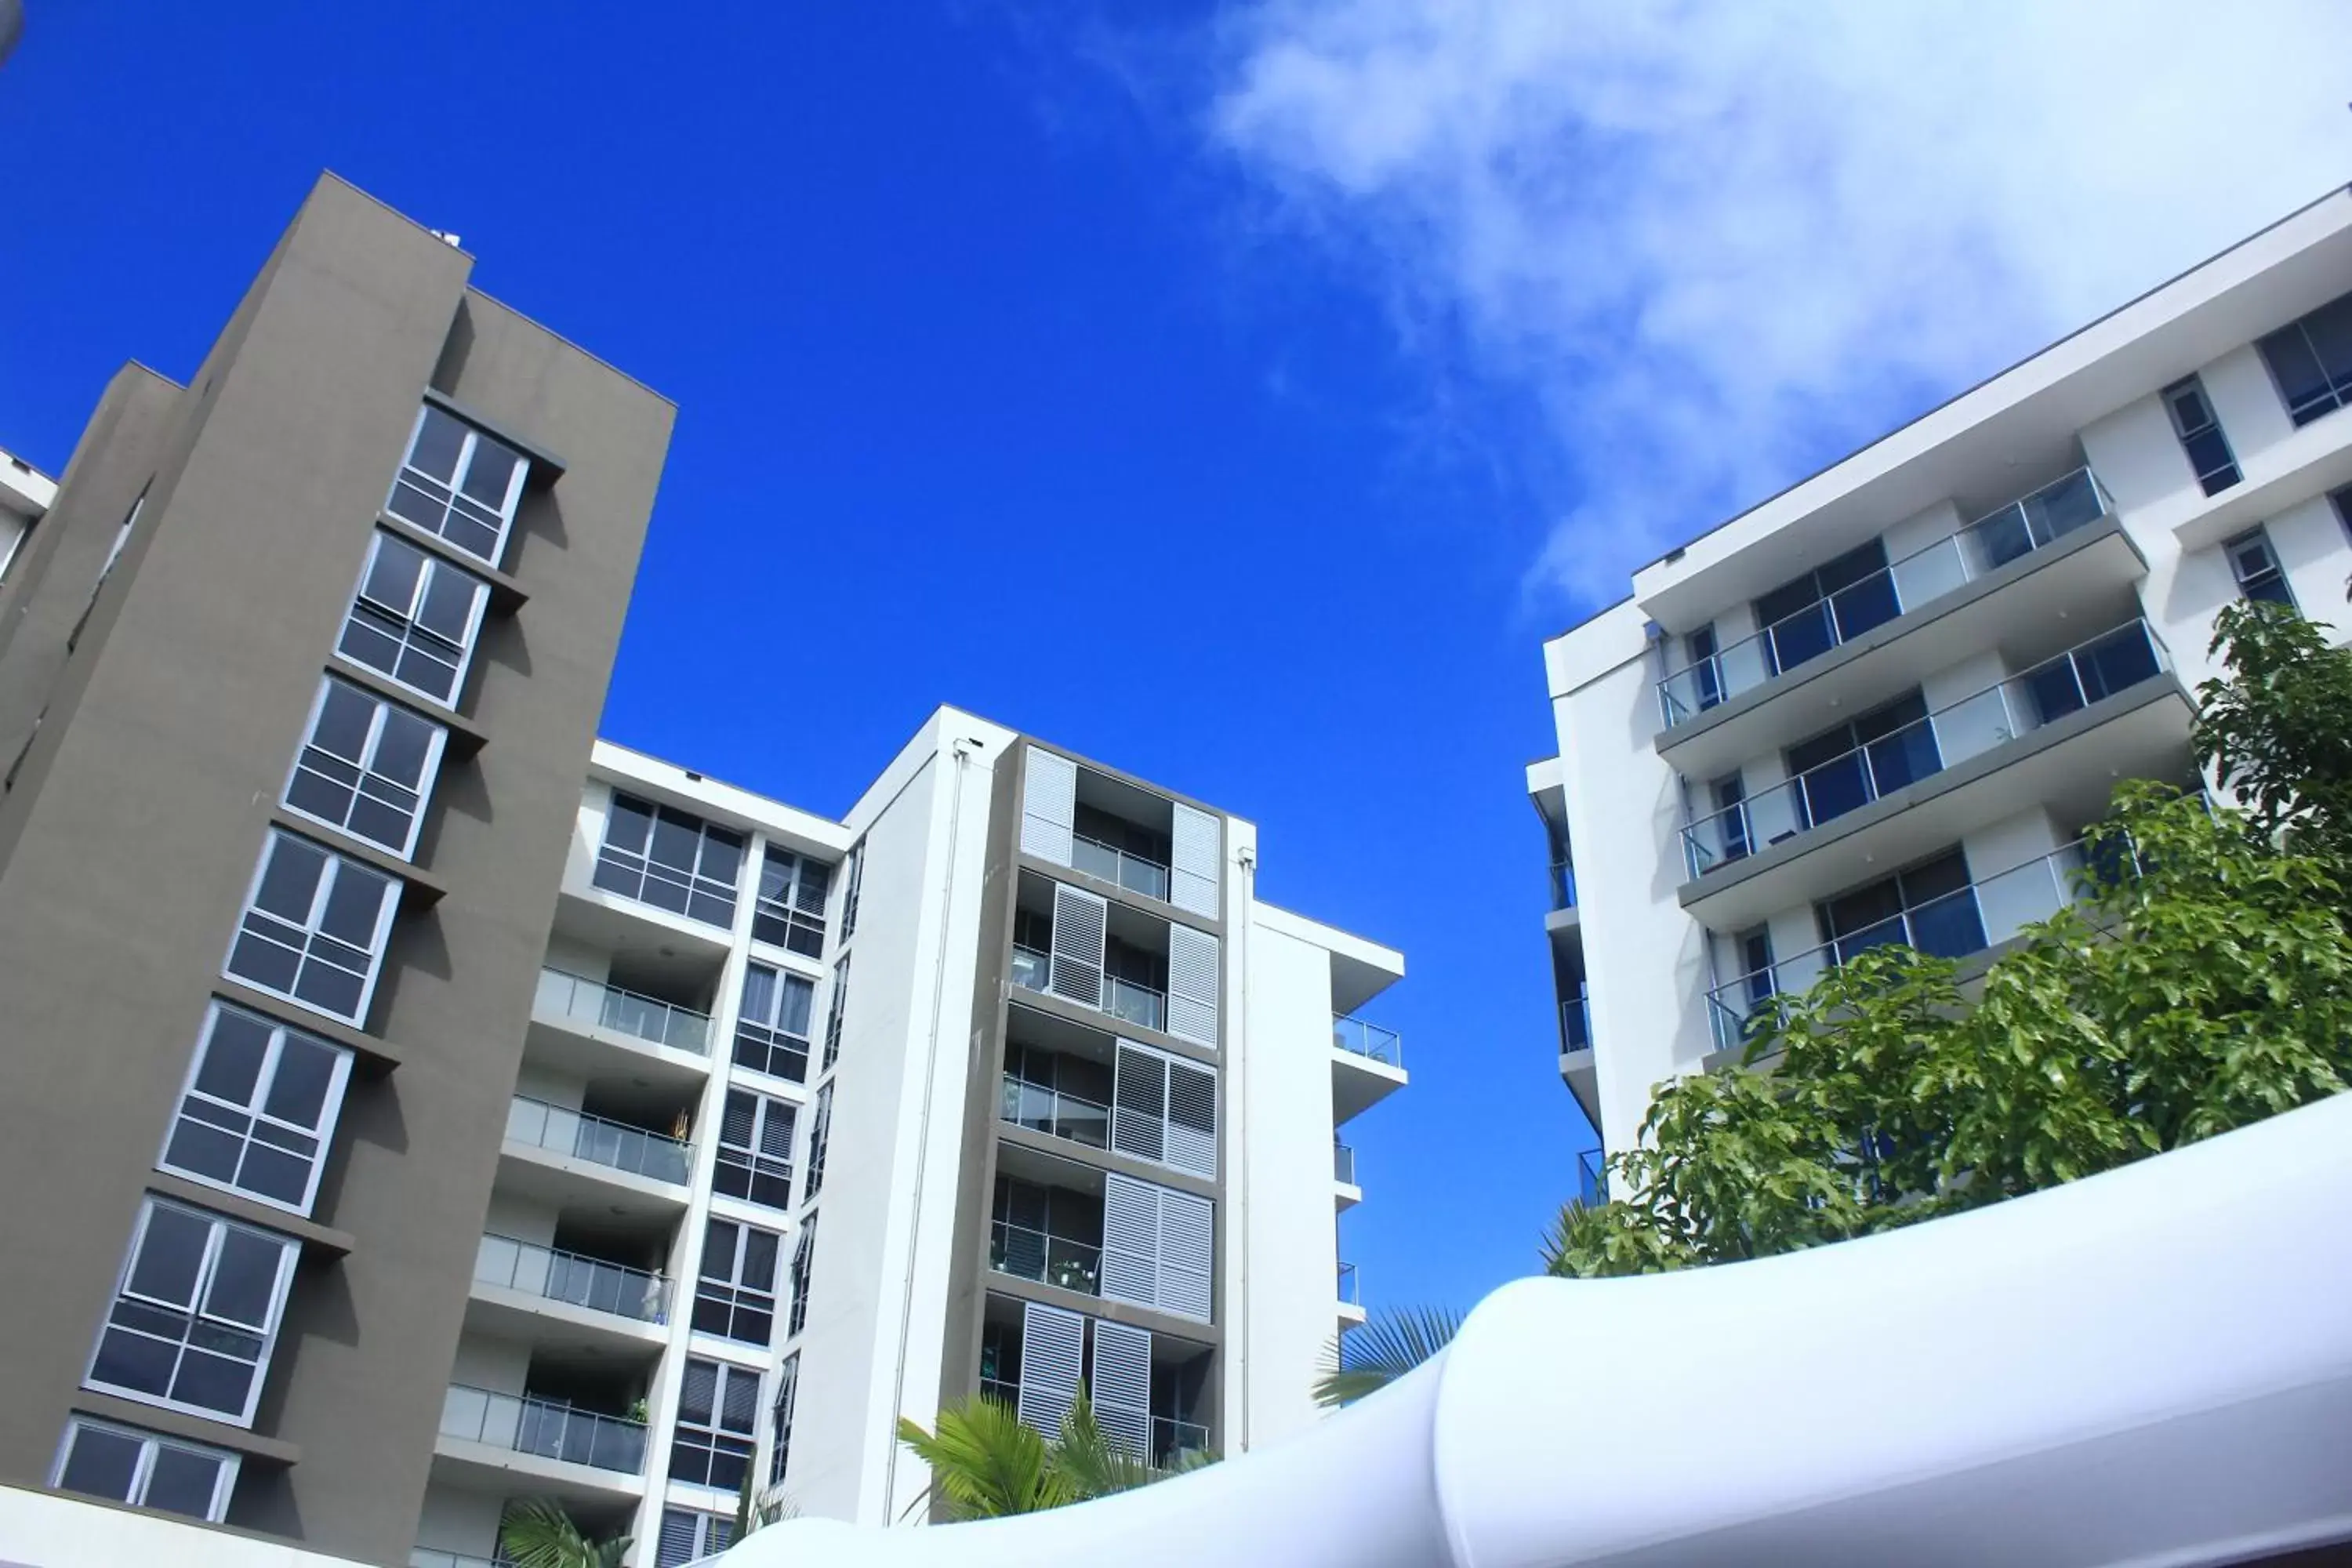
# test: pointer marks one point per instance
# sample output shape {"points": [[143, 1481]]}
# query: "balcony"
{"points": [[1979, 915], [529, 1292], [592, 1029], [2057, 735], [568, 1157], [1058, 1260], [1368, 1040], [1171, 1439], [1366, 1066], [492, 1441], [1350, 1298], [2007, 580], [1134, 872], [1563, 886], [1056, 1113], [1129, 1001], [1346, 1193], [1577, 1068], [1591, 1179]]}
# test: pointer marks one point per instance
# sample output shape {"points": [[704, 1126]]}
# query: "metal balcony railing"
{"points": [[1032, 970], [1171, 1439], [1994, 541], [530, 1425], [1965, 920], [1054, 1112], [1576, 1024], [1027, 1254], [1563, 885], [432, 1557], [539, 1125], [1359, 1038], [1343, 1164], [1348, 1291], [1124, 867], [573, 1279], [649, 1018], [2113, 661], [1133, 1003]]}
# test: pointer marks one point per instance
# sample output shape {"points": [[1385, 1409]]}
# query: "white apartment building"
{"points": [[1883, 705], [1004, 1080], [26, 494]]}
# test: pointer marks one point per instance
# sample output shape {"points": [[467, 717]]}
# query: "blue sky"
{"points": [[1238, 393]]}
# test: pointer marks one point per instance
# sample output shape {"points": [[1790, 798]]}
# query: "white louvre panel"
{"points": [[1119, 1385], [1192, 985], [1049, 803], [1130, 1256], [1188, 1232], [1197, 848], [1192, 1137], [1077, 956], [1139, 1103], [1053, 1352]]}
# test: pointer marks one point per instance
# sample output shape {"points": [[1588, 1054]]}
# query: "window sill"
{"points": [[179, 1423], [421, 887], [507, 596], [316, 1238], [466, 737], [380, 1054]]}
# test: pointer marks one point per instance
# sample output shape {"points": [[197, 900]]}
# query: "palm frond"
{"points": [[984, 1463], [538, 1534], [1382, 1350], [1089, 1462]]}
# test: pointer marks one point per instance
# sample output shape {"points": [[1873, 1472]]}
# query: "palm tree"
{"points": [[1384, 1349], [537, 1533], [985, 1463]]}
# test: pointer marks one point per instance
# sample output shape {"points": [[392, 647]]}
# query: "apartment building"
{"points": [[402, 1126], [1881, 706]]}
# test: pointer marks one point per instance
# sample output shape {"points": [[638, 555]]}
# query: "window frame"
{"points": [[274, 1052], [143, 1473], [703, 1525], [696, 882], [837, 1003], [455, 485], [436, 749], [853, 877], [329, 877], [713, 1432], [786, 906], [820, 1140], [751, 1157], [2336, 398], [2272, 573], [781, 1410], [2193, 386], [728, 1292], [432, 566], [206, 1273], [798, 1275], [773, 1027]]}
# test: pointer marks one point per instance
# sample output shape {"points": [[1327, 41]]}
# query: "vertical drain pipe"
{"points": [[1237, 1240]]}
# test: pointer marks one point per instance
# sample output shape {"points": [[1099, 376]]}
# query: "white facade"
{"points": [[26, 492], [591, 1293], [1885, 703]]}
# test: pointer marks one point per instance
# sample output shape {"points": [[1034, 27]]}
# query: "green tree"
{"points": [[537, 1533], [2278, 731], [986, 1463]]}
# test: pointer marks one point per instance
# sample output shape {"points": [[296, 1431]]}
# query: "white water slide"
{"points": [[2152, 1366]]}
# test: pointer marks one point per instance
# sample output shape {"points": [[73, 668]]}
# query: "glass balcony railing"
{"points": [[603, 1007], [525, 1425], [1172, 1439], [1127, 1000], [538, 1125], [1348, 1291], [1027, 1254], [1053, 1113], [1576, 1024], [1591, 1179], [1032, 970], [1112, 864], [1959, 558], [573, 1279], [432, 1557], [2111, 662], [1343, 1164], [1359, 1038], [1958, 924]]}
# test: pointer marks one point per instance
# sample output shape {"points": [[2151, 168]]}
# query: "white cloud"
{"points": [[1721, 243]]}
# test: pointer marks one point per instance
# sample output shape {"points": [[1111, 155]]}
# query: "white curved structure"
{"points": [[2152, 1366]]}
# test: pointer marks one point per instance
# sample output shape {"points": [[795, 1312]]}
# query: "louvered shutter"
{"points": [[1119, 1386], [1139, 1103], [1079, 920], [738, 1408], [1192, 986], [1049, 804], [1192, 1137], [679, 1544], [1188, 1233], [697, 1395], [1197, 848], [776, 1131], [740, 1119], [1131, 1250], [718, 1534], [1053, 1348]]}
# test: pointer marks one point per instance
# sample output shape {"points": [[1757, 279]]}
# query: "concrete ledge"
{"points": [[179, 1423]]}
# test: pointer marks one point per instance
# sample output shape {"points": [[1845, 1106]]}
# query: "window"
{"points": [[2310, 361], [820, 1133], [832, 1009], [458, 483], [688, 1536], [736, 1295], [773, 1025], [123, 1464], [1730, 794], [855, 878], [196, 1313], [2210, 457], [718, 1427], [1756, 963], [790, 913], [665, 857], [2097, 670], [2256, 567], [1809, 615], [414, 619], [779, 1419], [1929, 907], [366, 768], [1845, 768], [314, 928], [803, 1260], [1706, 676], [755, 1149], [259, 1109]]}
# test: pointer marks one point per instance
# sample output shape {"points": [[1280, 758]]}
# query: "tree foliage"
{"points": [[2202, 980], [538, 1534], [986, 1463]]}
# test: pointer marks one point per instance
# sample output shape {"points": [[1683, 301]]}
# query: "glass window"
{"points": [[772, 1024], [1730, 793], [1930, 907], [2310, 361], [366, 768], [688, 1536], [790, 913], [718, 1427], [459, 484], [2199, 431], [259, 1109], [1853, 764], [196, 1314], [779, 1419], [736, 1295], [414, 619], [855, 878], [660, 855], [834, 1004], [819, 1135], [2256, 567], [314, 928], [803, 1260], [99, 1459], [1811, 613], [2342, 499], [755, 1149], [1707, 677]]}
